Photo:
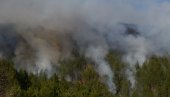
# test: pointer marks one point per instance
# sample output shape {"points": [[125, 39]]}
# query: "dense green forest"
{"points": [[152, 80]]}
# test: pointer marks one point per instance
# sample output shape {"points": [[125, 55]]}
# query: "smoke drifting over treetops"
{"points": [[39, 33]]}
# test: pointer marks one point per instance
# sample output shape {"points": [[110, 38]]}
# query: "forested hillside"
{"points": [[84, 48], [152, 80]]}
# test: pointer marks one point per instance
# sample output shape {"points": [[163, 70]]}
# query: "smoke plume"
{"points": [[39, 33]]}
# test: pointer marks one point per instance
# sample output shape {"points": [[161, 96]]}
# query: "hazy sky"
{"points": [[146, 4]]}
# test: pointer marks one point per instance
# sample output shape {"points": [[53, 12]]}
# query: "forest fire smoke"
{"points": [[39, 33]]}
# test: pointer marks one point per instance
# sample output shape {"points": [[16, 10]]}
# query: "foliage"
{"points": [[153, 80]]}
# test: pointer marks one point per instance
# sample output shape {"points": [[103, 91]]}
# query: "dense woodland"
{"points": [[152, 80]]}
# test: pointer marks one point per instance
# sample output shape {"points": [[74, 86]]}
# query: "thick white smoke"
{"points": [[97, 54], [46, 30]]}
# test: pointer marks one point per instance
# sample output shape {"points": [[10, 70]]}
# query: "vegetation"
{"points": [[153, 80]]}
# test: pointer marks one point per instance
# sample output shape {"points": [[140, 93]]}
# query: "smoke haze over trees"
{"points": [[41, 36]]}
